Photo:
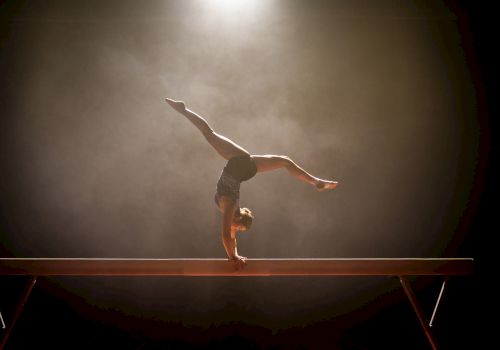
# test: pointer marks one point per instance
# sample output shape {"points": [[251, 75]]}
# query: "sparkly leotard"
{"points": [[237, 170]]}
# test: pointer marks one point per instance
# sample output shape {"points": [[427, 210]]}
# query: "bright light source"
{"points": [[231, 8], [234, 5]]}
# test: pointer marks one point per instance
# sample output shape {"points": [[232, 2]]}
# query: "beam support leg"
{"points": [[18, 309], [420, 314], [437, 302]]}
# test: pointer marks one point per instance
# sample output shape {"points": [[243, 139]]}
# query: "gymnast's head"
{"points": [[242, 219]]}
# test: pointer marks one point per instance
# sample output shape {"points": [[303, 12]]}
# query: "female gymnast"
{"points": [[241, 166]]}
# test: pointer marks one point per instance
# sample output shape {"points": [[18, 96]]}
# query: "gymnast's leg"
{"points": [[224, 146], [273, 162]]}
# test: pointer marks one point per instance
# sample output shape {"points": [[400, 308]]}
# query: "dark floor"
{"points": [[49, 321]]}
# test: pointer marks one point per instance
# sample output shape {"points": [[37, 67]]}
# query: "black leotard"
{"points": [[237, 170]]}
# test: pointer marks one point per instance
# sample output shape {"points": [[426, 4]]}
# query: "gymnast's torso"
{"points": [[237, 169]]}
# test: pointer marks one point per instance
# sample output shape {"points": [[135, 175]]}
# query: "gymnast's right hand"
{"points": [[239, 262], [177, 105]]}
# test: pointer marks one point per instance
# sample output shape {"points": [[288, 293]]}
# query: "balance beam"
{"points": [[402, 268], [221, 267]]}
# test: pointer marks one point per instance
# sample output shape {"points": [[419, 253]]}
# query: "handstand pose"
{"points": [[241, 166]]}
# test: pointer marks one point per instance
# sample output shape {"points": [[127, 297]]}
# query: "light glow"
{"points": [[234, 5], [235, 9]]}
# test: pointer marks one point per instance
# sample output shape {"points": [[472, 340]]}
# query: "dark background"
{"points": [[393, 100]]}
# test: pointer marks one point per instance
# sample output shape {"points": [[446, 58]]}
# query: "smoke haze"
{"points": [[94, 163]]}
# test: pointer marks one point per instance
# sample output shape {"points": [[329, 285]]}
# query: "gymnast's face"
{"points": [[242, 220], [238, 225]]}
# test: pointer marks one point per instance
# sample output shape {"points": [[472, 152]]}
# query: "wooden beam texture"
{"points": [[221, 267]]}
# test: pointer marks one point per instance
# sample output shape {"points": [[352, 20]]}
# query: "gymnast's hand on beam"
{"points": [[177, 105], [238, 261]]}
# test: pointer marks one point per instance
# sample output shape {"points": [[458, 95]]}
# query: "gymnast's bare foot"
{"points": [[177, 105], [323, 185]]}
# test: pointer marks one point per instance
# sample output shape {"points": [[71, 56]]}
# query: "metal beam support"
{"points": [[420, 314], [431, 322], [18, 309]]}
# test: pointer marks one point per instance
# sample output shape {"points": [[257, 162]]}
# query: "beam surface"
{"points": [[221, 267]]}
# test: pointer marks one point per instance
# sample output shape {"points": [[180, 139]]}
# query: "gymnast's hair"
{"points": [[246, 218]]}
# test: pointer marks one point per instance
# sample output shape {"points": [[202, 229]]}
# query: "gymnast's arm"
{"points": [[228, 235]]}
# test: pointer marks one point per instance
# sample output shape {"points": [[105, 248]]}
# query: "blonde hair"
{"points": [[245, 218]]}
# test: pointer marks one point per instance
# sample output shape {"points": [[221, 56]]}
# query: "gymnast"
{"points": [[241, 166]]}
